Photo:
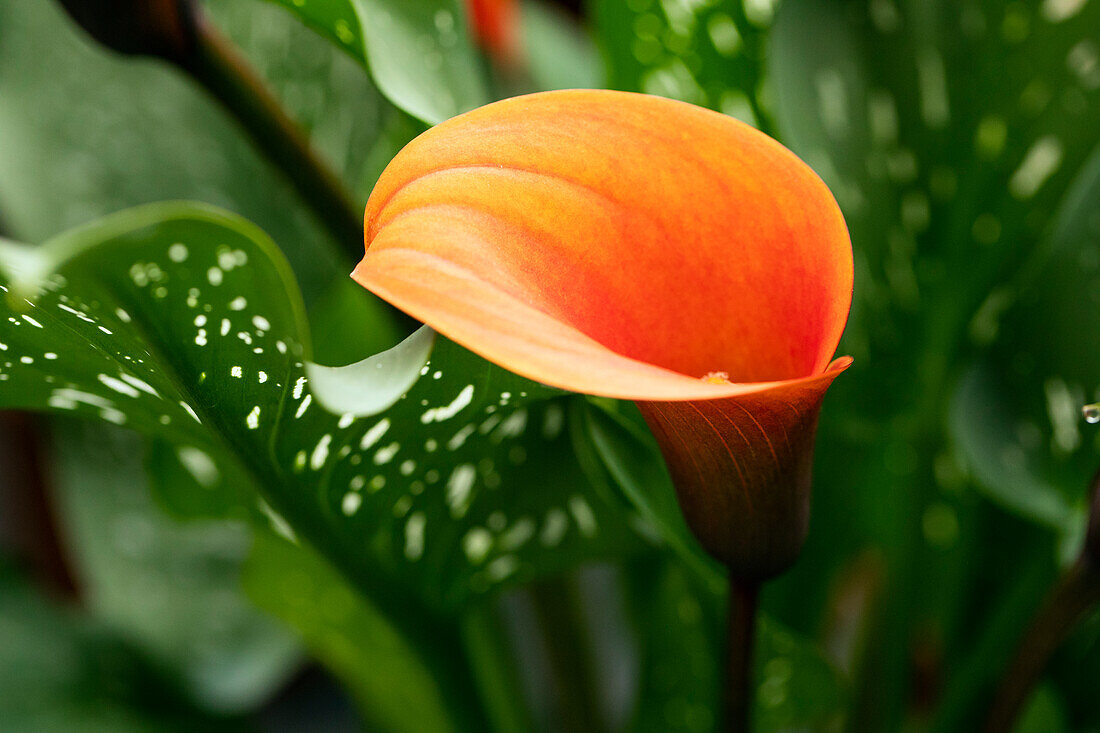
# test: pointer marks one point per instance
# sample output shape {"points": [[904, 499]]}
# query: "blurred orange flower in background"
{"points": [[496, 27], [635, 247]]}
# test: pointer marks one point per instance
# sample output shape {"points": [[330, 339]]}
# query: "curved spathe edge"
{"points": [[499, 328]]}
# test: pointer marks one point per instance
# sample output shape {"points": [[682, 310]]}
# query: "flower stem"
{"points": [[1077, 593], [215, 64], [741, 630]]}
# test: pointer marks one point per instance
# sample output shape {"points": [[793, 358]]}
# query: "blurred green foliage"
{"points": [[962, 140]]}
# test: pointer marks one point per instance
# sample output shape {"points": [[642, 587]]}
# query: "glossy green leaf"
{"points": [[393, 690], [84, 132], [184, 322], [171, 590], [707, 53], [949, 133], [60, 671], [558, 52], [1017, 416], [418, 51], [628, 453]]}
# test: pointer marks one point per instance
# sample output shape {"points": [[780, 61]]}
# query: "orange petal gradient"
{"points": [[614, 244]]}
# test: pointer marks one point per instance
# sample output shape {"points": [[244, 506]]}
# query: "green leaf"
{"points": [[1017, 415], [632, 460], [62, 671], [706, 53], [1044, 713], [190, 483], [418, 51], [383, 674], [949, 133], [348, 302], [333, 19], [991, 440], [184, 322], [84, 133], [558, 52], [171, 590]]}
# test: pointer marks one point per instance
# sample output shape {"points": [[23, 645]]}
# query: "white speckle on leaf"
{"points": [[459, 438], [200, 465], [476, 544], [1039, 163], [935, 108], [351, 503], [582, 513], [511, 427], [78, 314], [1056, 11], [320, 453], [553, 421], [253, 419], [553, 528], [439, 414], [386, 454], [460, 486], [402, 506], [117, 385], [177, 252], [279, 524], [502, 567], [190, 411], [375, 434], [518, 534], [414, 535]]}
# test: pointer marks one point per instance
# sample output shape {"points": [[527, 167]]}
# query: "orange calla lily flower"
{"points": [[496, 27], [640, 248]]}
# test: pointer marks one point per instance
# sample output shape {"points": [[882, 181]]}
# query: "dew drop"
{"points": [[1091, 413]]}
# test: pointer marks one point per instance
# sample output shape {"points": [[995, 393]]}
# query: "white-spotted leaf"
{"points": [[419, 52], [183, 322]]}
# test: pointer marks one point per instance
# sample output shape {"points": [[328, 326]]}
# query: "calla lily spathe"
{"points": [[633, 247]]}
